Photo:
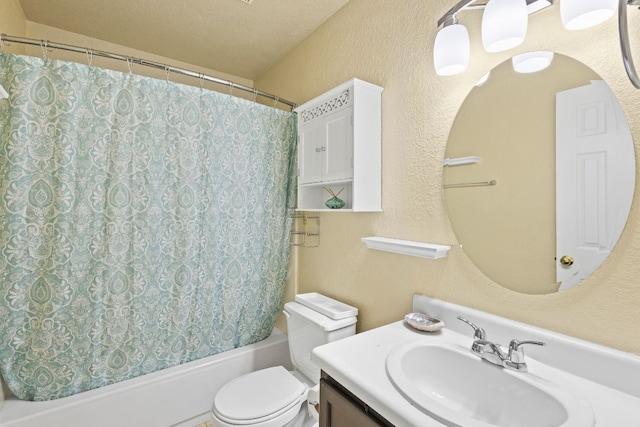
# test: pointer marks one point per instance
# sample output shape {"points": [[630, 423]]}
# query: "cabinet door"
{"points": [[337, 410], [325, 148], [311, 140], [339, 146]]}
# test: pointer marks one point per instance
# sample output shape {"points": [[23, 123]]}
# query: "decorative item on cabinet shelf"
{"points": [[334, 202], [407, 247], [305, 231], [312, 197]]}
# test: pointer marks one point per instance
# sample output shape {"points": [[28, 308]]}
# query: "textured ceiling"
{"points": [[230, 36]]}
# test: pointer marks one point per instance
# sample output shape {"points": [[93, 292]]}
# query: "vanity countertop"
{"points": [[358, 363]]}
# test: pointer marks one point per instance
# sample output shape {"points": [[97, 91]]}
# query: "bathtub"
{"points": [[180, 396]]}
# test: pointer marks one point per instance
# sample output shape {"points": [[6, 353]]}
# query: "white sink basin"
{"points": [[452, 385]]}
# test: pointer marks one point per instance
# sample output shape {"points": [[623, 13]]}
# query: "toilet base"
{"points": [[303, 419]]}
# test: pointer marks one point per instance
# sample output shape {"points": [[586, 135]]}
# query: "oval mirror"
{"points": [[539, 175]]}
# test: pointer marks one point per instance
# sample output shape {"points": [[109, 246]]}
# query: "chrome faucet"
{"points": [[493, 353]]}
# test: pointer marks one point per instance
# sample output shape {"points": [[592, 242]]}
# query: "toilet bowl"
{"points": [[274, 397], [267, 398]]}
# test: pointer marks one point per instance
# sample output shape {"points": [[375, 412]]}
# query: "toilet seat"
{"points": [[264, 398]]}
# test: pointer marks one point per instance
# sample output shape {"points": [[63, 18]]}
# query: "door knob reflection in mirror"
{"points": [[566, 260]]}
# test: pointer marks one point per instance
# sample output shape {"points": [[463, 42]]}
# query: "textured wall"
{"points": [[12, 22], [390, 44]]}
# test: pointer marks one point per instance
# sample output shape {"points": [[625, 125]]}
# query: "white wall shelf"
{"points": [[461, 161], [407, 247]]}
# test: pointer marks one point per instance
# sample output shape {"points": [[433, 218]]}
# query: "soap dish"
{"points": [[423, 322]]}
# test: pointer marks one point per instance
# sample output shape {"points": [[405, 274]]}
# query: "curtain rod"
{"points": [[46, 44]]}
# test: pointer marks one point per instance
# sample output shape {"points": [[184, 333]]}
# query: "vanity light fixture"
{"points": [[451, 48], [451, 54], [504, 26], [538, 5], [531, 62], [623, 32], [579, 14]]}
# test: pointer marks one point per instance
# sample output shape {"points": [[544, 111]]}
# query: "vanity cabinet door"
{"points": [[338, 408]]}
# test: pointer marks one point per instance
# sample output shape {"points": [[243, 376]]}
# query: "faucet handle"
{"points": [[478, 332], [516, 354]]}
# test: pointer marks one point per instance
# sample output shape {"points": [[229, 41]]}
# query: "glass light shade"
{"points": [[579, 14], [531, 62], [504, 24], [451, 50]]}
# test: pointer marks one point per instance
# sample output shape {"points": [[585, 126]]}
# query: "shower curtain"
{"points": [[143, 224]]}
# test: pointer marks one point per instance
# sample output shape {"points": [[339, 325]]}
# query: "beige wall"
{"points": [[12, 22], [390, 44]]}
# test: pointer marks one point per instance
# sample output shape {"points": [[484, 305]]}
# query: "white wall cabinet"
{"points": [[339, 147]]}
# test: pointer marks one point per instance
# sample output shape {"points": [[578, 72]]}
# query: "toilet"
{"points": [[274, 397]]}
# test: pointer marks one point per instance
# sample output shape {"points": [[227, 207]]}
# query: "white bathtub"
{"points": [[178, 396]]}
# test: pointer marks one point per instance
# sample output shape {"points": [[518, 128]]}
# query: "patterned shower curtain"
{"points": [[143, 224]]}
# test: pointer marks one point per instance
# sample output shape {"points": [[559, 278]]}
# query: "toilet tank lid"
{"points": [[329, 307]]}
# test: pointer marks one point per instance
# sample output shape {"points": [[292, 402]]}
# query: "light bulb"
{"points": [[451, 50], [504, 24], [531, 62], [579, 14]]}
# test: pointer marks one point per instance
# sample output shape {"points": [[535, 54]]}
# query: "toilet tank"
{"points": [[313, 320]]}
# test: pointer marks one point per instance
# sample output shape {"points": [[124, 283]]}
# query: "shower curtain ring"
{"points": [[89, 57], [166, 72], [130, 64], [201, 78], [275, 101], [255, 94], [230, 87], [43, 46]]}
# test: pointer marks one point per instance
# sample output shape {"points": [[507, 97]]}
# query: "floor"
{"points": [[207, 424]]}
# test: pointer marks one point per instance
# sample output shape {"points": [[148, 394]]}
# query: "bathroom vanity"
{"points": [[570, 381], [340, 407]]}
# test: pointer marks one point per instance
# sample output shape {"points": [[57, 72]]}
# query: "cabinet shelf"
{"points": [[327, 183], [313, 196]]}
